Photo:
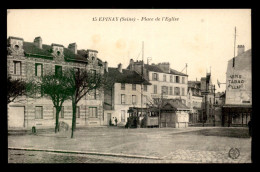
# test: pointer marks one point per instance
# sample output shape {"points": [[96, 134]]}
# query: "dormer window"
{"points": [[58, 53], [16, 47], [93, 58]]}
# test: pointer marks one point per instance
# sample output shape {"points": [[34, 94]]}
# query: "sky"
{"points": [[202, 38]]}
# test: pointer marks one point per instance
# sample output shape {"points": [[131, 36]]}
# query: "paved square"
{"points": [[193, 144]]}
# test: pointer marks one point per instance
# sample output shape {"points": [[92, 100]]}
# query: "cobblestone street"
{"points": [[187, 145]]}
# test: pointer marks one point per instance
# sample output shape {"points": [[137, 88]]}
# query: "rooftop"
{"points": [[127, 76], [45, 52]]}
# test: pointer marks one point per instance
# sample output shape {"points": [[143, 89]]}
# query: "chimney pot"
{"points": [[240, 49], [119, 67]]}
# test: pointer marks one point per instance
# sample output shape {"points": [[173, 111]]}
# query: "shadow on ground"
{"points": [[221, 132]]}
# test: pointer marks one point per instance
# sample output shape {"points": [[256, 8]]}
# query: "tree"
{"points": [[81, 83], [53, 86], [15, 88]]}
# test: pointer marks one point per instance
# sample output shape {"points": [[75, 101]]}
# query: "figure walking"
{"points": [[116, 121]]}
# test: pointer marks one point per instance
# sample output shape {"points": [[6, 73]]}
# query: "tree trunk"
{"points": [[73, 126], [57, 119]]}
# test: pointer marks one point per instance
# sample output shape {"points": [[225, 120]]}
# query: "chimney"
{"points": [[119, 67], [131, 64], [240, 49], [106, 66], [38, 42], [73, 47], [165, 67]]}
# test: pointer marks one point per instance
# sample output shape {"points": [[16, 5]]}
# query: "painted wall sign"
{"points": [[235, 82]]}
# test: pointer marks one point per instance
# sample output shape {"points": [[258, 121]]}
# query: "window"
{"points": [[171, 91], [93, 112], [133, 86], [164, 90], [177, 91], [155, 89], [145, 87], [61, 115], [183, 91], [17, 68], [164, 77], [183, 80], [177, 79], [77, 112], [171, 79], [133, 99], [38, 69], [122, 115], [155, 77], [58, 70], [122, 99], [122, 86], [38, 112]]}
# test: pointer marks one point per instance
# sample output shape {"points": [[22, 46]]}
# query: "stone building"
{"points": [[237, 109], [30, 60], [124, 94]]}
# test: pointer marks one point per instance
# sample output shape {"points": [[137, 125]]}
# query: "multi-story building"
{"points": [[166, 83], [207, 90], [125, 92], [30, 60], [194, 101], [237, 109]]}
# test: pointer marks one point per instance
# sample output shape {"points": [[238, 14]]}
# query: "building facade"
{"points": [[30, 60], [124, 94], [194, 101], [166, 83], [237, 109]]}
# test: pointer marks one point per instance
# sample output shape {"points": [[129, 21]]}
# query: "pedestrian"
{"points": [[250, 128], [116, 121]]}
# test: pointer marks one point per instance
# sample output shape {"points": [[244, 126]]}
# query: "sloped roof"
{"points": [[45, 52], [155, 68], [175, 103], [192, 84], [127, 76]]}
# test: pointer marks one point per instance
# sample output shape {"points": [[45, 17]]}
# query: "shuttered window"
{"points": [[38, 69], [93, 112], [38, 112], [17, 68]]}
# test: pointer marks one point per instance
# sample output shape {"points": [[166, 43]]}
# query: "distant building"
{"points": [[166, 83], [207, 90], [194, 101], [124, 94], [30, 60], [237, 109]]}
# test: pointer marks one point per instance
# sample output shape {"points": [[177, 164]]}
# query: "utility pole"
{"points": [[142, 73], [214, 124]]}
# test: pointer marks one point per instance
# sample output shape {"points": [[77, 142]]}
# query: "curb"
{"points": [[87, 153]]}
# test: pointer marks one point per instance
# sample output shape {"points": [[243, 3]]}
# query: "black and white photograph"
{"points": [[129, 86]]}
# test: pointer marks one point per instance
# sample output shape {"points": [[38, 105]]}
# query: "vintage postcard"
{"points": [[129, 85]]}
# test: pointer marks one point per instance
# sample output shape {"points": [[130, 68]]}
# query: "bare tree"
{"points": [[15, 88], [53, 86], [83, 82]]}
